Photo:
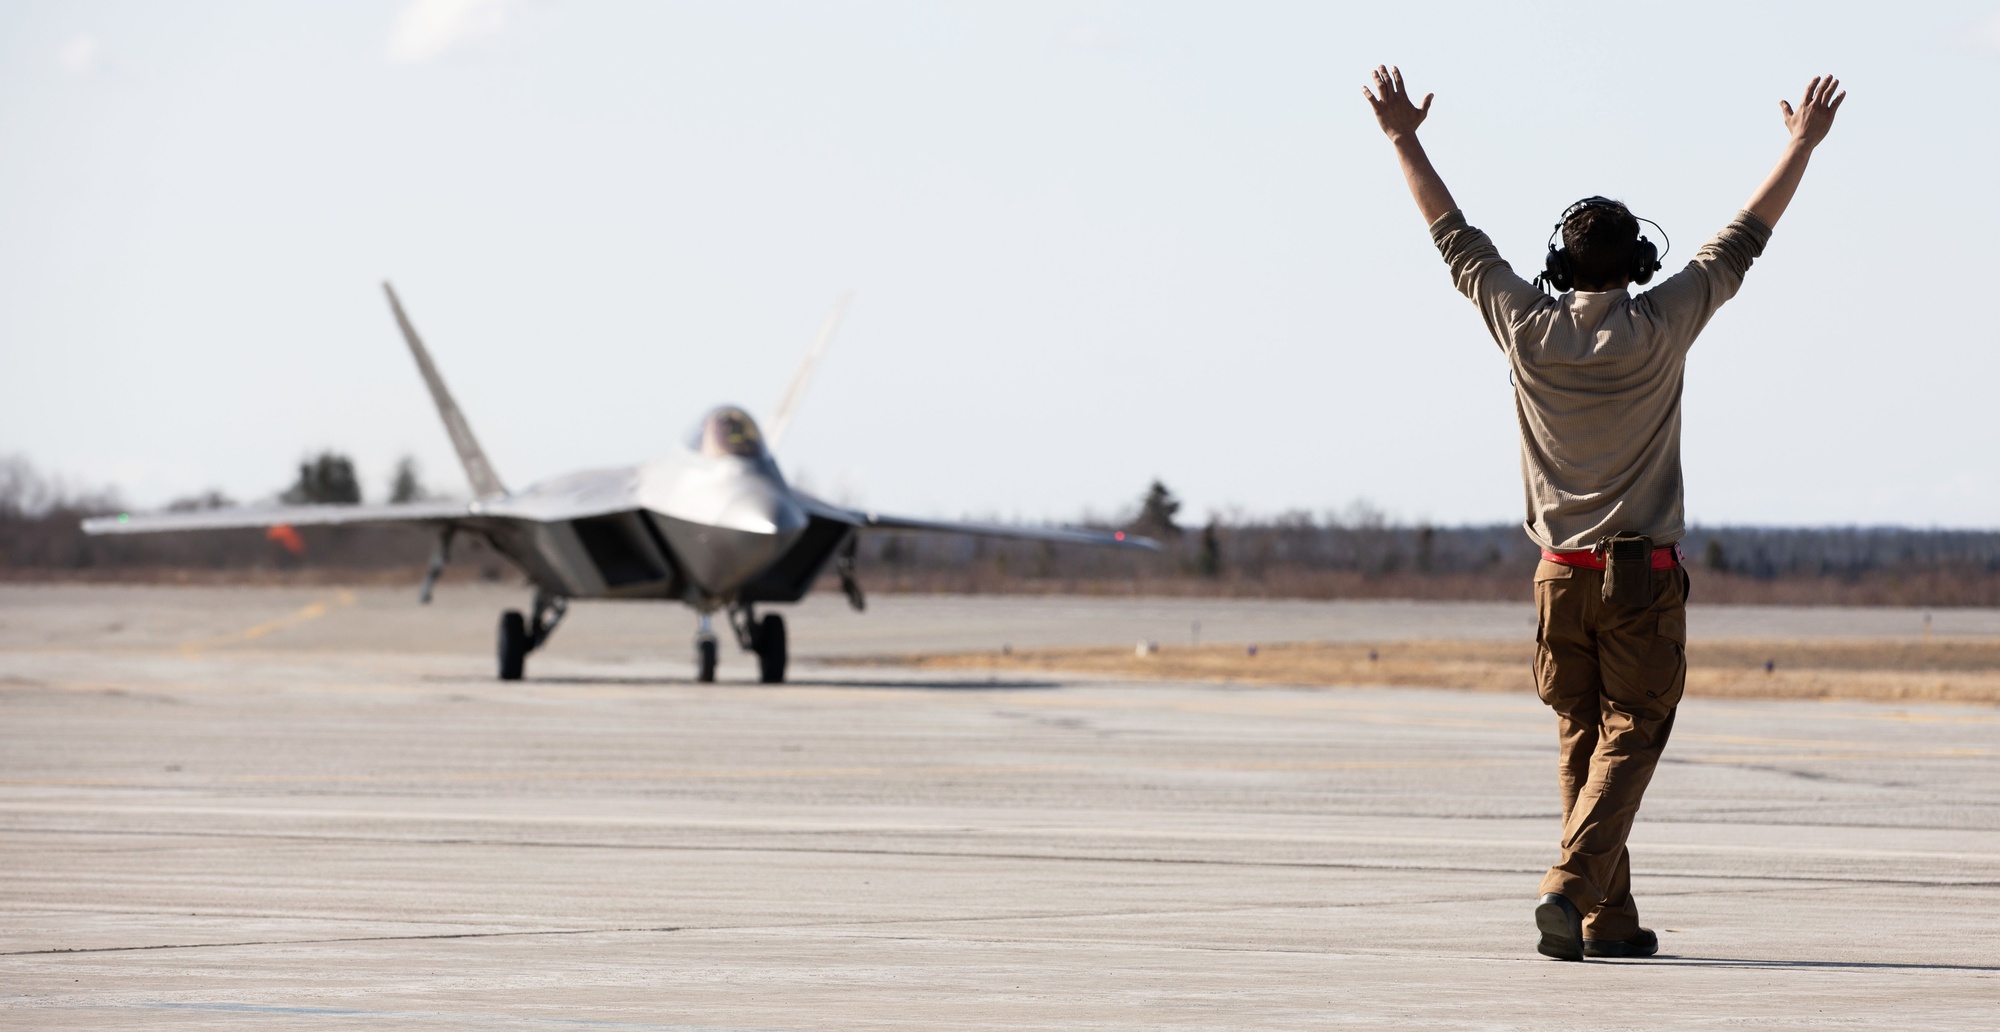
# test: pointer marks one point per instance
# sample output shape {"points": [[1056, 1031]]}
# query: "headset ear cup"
{"points": [[1555, 268], [1646, 261]]}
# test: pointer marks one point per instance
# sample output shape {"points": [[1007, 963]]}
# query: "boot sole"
{"points": [[1619, 950], [1562, 938]]}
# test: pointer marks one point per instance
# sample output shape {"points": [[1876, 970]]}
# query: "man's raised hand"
{"points": [[1399, 119], [1394, 112], [1808, 126], [1814, 116]]}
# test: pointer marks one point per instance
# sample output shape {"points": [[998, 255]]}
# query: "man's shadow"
{"points": [[1665, 960]]}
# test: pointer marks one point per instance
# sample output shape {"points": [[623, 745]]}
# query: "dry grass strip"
{"points": [[1941, 670]]}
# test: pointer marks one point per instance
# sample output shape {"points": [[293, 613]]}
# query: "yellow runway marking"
{"points": [[305, 614]]}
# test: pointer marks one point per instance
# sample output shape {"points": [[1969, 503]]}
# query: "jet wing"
{"points": [[1060, 535], [250, 516], [593, 492]]}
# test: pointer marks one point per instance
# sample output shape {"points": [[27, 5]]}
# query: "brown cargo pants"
{"points": [[1614, 675]]}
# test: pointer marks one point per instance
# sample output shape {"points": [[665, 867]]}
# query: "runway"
{"points": [[312, 808]]}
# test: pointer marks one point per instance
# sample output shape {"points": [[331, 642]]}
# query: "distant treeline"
{"points": [[1357, 553], [1301, 556], [40, 536]]}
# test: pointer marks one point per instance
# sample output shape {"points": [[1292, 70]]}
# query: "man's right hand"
{"points": [[1394, 112], [1809, 124]]}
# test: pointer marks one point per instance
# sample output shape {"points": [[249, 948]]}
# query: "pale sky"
{"points": [[1091, 243]]}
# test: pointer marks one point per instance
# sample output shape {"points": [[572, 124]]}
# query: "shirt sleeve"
{"points": [[1687, 299], [1505, 300]]}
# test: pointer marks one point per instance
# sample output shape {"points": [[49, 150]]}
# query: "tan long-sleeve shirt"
{"points": [[1597, 381]]}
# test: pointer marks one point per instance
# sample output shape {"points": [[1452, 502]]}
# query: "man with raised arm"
{"points": [[1597, 374]]}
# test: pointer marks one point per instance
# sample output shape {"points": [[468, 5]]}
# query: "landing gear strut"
{"points": [[764, 637], [843, 564], [438, 559], [520, 636]]}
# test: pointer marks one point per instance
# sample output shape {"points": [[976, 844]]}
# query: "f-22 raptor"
{"points": [[712, 524]]}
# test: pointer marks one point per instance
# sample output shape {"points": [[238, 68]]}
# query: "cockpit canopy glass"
{"points": [[726, 432]]}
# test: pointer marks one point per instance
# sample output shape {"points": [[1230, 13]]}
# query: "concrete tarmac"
{"points": [[313, 809]]}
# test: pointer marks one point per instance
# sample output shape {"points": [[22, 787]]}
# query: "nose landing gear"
{"points": [[705, 661], [704, 652]]}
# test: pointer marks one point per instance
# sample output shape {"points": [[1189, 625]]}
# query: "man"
{"points": [[1597, 374]]}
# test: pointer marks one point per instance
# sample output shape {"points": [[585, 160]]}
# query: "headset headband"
{"points": [[1558, 261], [1606, 202]]}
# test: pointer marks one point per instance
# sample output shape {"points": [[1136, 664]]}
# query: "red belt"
{"points": [[1663, 558]]}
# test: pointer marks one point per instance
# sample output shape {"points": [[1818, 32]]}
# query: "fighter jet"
{"points": [[712, 524]]}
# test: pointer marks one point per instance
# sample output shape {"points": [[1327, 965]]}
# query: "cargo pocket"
{"points": [[1552, 582], [1665, 675], [1544, 668]]}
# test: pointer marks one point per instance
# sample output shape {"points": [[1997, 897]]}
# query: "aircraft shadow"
{"points": [[930, 686], [967, 685]]}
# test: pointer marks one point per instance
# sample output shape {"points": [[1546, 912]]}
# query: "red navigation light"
{"points": [[1120, 535]]}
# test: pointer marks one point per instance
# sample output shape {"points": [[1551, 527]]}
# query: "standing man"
{"points": [[1597, 374]]}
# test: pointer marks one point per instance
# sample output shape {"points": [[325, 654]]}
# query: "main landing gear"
{"points": [[765, 637], [520, 636]]}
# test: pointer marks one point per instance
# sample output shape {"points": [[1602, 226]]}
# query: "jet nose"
{"points": [[760, 508], [726, 520]]}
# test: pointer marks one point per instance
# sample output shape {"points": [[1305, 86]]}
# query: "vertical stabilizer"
{"points": [[485, 483], [781, 417]]}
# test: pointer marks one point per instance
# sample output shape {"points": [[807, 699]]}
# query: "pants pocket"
{"points": [[1551, 582], [1663, 677], [1545, 668]]}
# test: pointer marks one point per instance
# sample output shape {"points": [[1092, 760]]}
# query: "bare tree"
{"points": [[325, 479], [406, 486], [212, 498], [1156, 512]]}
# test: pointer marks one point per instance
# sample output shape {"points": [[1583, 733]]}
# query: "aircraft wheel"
{"points": [[770, 638], [513, 645], [704, 663]]}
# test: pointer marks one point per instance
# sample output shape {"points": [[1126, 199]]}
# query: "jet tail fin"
{"points": [[781, 417], [485, 483]]}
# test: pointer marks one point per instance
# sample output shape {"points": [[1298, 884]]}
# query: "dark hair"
{"points": [[1603, 240]]}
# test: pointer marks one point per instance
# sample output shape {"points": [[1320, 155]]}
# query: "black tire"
{"points": [[513, 645], [771, 646], [704, 661]]}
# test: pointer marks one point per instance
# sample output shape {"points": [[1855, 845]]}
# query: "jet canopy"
{"points": [[725, 432]]}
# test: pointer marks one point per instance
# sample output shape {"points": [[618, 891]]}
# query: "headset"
{"points": [[1556, 271]]}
